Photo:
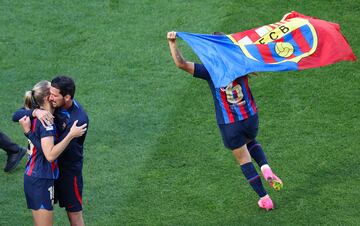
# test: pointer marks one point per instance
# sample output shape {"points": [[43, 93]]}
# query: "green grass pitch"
{"points": [[153, 154]]}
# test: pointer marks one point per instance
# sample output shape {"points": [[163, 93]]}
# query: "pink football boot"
{"points": [[270, 177], [266, 203]]}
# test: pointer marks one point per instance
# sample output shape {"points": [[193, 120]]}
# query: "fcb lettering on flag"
{"points": [[297, 42]]}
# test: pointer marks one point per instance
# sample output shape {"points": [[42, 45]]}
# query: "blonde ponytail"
{"points": [[27, 100], [35, 97]]}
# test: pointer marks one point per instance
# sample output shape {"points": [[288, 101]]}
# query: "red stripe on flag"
{"points": [[300, 40], [291, 56], [254, 36], [226, 105], [237, 36], [272, 26], [251, 34], [280, 40], [266, 53]]}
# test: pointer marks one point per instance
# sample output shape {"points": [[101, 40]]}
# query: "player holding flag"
{"points": [[237, 118]]}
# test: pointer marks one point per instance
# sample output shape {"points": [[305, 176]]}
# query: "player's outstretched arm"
{"points": [[45, 117], [179, 60], [21, 112]]}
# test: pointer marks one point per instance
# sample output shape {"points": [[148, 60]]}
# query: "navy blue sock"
{"points": [[257, 153], [253, 178]]}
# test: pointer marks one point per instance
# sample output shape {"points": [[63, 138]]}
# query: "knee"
{"points": [[76, 218], [252, 144], [242, 155]]}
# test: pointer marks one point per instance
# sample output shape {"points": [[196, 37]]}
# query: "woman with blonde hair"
{"points": [[42, 168]]}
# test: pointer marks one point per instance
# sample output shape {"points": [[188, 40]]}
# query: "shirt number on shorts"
{"points": [[51, 193]]}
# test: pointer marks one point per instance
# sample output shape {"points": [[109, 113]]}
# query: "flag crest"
{"points": [[287, 40]]}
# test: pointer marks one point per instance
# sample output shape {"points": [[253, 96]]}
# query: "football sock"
{"points": [[253, 178], [257, 153]]}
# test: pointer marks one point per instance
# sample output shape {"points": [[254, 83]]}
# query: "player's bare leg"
{"points": [[42, 217], [76, 218]]}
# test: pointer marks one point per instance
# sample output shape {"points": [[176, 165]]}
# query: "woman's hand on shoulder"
{"points": [[77, 131], [45, 117]]}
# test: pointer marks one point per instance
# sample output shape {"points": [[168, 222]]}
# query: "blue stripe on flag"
{"points": [[276, 57], [254, 51], [305, 30], [289, 38]]}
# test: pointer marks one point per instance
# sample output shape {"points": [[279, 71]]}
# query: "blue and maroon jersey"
{"points": [[37, 164], [71, 160], [233, 102]]}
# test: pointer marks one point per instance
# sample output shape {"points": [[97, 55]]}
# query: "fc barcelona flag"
{"points": [[296, 42]]}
